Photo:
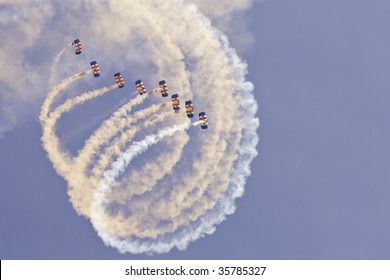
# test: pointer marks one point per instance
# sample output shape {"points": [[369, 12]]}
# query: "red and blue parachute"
{"points": [[176, 103], [203, 120], [189, 109], [140, 87], [77, 46], [95, 69], [119, 80], [163, 88]]}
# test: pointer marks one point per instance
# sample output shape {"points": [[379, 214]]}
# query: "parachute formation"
{"points": [[147, 181]]}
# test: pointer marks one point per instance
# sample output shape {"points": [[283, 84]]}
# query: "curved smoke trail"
{"points": [[151, 184]]}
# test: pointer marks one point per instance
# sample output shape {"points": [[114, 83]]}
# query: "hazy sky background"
{"points": [[320, 184]]}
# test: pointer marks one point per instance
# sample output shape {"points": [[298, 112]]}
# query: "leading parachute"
{"points": [[77, 46]]}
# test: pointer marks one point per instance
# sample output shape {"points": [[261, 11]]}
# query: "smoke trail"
{"points": [[53, 70], [118, 167], [61, 160], [63, 163], [113, 149], [54, 92], [107, 130], [82, 183], [78, 100]]}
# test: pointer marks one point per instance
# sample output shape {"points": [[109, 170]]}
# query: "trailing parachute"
{"points": [[204, 124], [176, 103], [163, 88], [77, 46], [140, 87], [189, 109], [95, 69], [119, 80]]}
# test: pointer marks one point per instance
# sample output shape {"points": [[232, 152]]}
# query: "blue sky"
{"points": [[319, 185]]}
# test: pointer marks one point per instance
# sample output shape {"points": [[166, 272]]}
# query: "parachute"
{"points": [[77, 46], [189, 109], [203, 120], [140, 87], [95, 69], [119, 80], [163, 88], [176, 103]]}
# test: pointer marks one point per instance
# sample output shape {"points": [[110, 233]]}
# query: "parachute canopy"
{"points": [[77, 46], [176, 103], [163, 88], [140, 87], [119, 80], [203, 120], [189, 109], [95, 69]]}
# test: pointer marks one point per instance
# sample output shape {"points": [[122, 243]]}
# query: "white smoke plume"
{"points": [[230, 17], [146, 182]]}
